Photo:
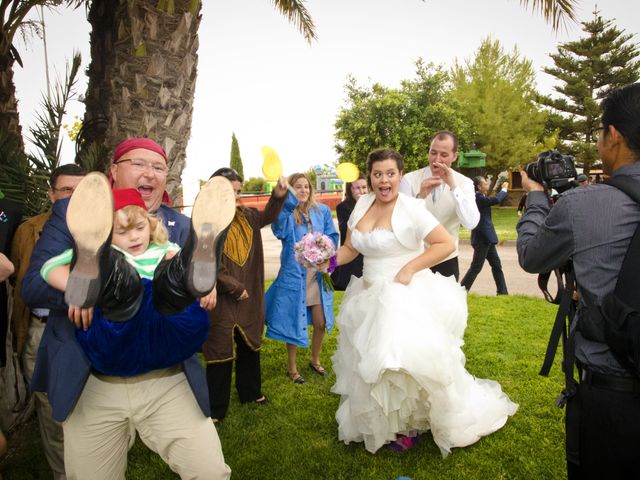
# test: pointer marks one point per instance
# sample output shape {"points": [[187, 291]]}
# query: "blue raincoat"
{"points": [[287, 315]]}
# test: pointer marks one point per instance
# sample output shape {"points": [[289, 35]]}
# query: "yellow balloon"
{"points": [[348, 171], [271, 164]]}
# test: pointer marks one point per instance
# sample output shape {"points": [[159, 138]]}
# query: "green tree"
{"points": [[496, 93], [236, 159], [587, 70], [403, 118], [254, 185]]}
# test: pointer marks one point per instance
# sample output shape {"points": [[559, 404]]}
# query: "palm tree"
{"points": [[144, 57], [556, 12]]}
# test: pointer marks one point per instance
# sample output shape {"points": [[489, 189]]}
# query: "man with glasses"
{"points": [[141, 163], [28, 324], [169, 407]]}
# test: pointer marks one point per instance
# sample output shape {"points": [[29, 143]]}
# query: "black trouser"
{"points": [[482, 252], [606, 426], [248, 379], [448, 268]]}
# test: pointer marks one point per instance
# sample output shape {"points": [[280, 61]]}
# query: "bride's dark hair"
{"points": [[381, 154]]}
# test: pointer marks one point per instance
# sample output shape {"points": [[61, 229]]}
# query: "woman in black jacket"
{"points": [[353, 191]]}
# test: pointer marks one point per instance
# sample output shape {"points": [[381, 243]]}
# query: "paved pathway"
{"points": [[518, 281]]}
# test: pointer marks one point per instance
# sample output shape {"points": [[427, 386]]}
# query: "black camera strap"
{"points": [[562, 330], [626, 286]]}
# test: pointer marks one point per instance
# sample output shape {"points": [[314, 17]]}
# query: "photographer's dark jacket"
{"points": [[592, 225]]}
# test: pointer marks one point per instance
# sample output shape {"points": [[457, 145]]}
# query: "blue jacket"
{"points": [[62, 368], [485, 231], [287, 315]]}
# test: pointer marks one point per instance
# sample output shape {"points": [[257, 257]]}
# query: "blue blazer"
{"points": [[62, 368], [485, 231], [287, 315]]}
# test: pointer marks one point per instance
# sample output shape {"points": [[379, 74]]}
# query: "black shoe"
{"points": [[262, 401], [319, 369], [90, 221], [213, 211]]}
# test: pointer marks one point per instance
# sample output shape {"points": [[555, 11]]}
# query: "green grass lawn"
{"points": [[295, 436], [504, 220]]}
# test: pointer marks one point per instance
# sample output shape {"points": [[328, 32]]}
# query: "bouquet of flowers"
{"points": [[312, 251]]}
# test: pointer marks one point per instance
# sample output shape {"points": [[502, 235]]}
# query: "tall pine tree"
{"points": [[236, 160], [588, 69]]}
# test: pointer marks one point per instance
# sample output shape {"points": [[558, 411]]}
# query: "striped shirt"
{"points": [[145, 263]]}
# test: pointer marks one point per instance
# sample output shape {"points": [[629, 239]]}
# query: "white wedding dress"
{"points": [[399, 364]]}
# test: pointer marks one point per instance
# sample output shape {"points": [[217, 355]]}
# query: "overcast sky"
{"points": [[257, 76]]}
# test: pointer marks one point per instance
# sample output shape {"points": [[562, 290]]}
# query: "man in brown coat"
{"points": [[28, 325], [237, 322]]}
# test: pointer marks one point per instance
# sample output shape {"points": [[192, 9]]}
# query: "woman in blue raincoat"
{"points": [[297, 297]]}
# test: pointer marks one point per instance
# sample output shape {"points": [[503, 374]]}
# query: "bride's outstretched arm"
{"points": [[346, 253], [441, 245]]}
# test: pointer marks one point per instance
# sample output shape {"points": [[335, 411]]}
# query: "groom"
{"points": [[447, 194]]}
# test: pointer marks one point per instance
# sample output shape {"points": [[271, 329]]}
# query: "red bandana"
{"points": [[134, 143]]}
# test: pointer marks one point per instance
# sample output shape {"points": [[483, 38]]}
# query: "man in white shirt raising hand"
{"points": [[447, 194]]}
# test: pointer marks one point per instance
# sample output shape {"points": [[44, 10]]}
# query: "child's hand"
{"points": [[209, 302], [243, 296], [169, 255], [81, 317]]}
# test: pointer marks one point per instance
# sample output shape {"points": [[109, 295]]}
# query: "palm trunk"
{"points": [[142, 76], [9, 118]]}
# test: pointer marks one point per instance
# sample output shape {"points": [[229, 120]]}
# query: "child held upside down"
{"points": [[143, 287]]}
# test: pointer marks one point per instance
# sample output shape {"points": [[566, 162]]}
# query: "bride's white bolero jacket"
{"points": [[411, 221]]}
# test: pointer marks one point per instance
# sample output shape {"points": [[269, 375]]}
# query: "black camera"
{"points": [[553, 170]]}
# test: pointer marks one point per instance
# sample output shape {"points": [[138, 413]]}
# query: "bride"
{"points": [[399, 364]]}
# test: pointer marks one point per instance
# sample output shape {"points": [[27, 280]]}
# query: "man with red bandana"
{"points": [[168, 407]]}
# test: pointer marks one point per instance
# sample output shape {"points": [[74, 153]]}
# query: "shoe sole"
{"points": [[213, 211], [90, 221]]}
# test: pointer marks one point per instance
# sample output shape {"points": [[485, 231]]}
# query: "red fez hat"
{"points": [[135, 143], [123, 197]]}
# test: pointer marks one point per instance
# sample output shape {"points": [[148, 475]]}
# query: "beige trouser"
{"points": [[161, 407], [50, 430]]}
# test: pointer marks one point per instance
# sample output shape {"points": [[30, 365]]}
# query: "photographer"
{"points": [[591, 228]]}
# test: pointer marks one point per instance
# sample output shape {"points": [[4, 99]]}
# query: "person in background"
{"points": [[484, 238], [238, 318], [582, 180], [352, 192], [28, 324], [447, 194], [297, 297], [10, 217]]}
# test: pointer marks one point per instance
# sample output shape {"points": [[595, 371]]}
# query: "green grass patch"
{"points": [[295, 436], [504, 221]]}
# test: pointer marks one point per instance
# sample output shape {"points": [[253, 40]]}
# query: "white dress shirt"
{"points": [[464, 194]]}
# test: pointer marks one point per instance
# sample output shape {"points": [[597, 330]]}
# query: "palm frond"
{"points": [[24, 177], [556, 12], [297, 13]]}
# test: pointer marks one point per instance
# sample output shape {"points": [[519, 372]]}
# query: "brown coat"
{"points": [[242, 268], [23, 242]]}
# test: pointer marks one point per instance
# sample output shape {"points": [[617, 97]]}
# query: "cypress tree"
{"points": [[587, 70], [236, 160]]}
